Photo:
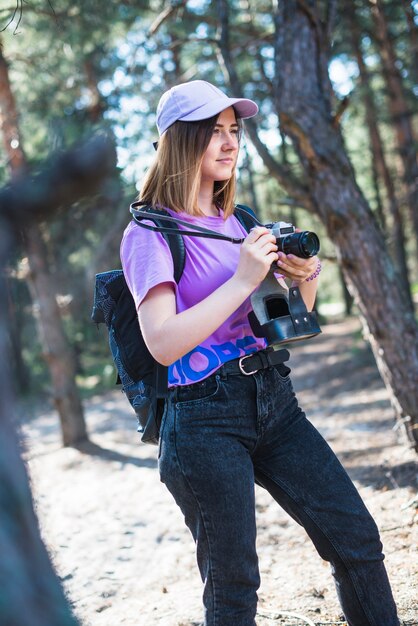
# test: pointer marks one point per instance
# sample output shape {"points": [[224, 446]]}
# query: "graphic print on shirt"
{"points": [[202, 361]]}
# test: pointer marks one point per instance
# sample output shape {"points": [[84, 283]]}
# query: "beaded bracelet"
{"points": [[316, 272]]}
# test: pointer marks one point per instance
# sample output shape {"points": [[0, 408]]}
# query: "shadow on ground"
{"points": [[93, 449]]}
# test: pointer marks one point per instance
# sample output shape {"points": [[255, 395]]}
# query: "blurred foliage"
{"points": [[88, 66]]}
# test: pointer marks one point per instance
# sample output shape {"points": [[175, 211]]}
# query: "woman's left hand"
{"points": [[296, 268]]}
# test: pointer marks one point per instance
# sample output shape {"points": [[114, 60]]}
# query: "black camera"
{"points": [[304, 244], [279, 312]]}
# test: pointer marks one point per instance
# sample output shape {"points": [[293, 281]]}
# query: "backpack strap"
{"points": [[174, 239], [161, 380], [178, 252], [246, 217]]}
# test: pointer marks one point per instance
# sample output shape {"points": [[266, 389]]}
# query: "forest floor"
{"points": [[118, 541]]}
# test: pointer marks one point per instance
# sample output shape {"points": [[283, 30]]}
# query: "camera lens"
{"points": [[309, 244], [303, 245]]}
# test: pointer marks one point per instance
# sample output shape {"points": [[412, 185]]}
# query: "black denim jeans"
{"points": [[222, 435]]}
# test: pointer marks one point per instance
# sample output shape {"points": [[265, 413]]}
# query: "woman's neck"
{"points": [[205, 201]]}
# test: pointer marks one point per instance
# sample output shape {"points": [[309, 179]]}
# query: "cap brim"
{"points": [[244, 109]]}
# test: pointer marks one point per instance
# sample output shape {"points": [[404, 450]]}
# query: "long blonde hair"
{"points": [[173, 180]]}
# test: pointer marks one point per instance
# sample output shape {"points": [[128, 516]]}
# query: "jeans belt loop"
{"points": [[265, 361], [241, 367]]}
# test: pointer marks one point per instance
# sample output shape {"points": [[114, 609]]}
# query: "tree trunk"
{"points": [[348, 298], [397, 240], [380, 212], [109, 245], [400, 113], [9, 120], [58, 354], [247, 166], [55, 347], [303, 103]]}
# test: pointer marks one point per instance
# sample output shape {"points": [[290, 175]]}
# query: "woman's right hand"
{"points": [[258, 252]]}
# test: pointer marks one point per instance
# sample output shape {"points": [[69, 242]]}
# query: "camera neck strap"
{"points": [[149, 213]]}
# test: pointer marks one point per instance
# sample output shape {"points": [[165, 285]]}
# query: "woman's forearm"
{"points": [[170, 336], [308, 291]]}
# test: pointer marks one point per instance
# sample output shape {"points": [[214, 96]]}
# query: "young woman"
{"points": [[232, 418]]}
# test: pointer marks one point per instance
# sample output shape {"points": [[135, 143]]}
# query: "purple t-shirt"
{"points": [[147, 262]]}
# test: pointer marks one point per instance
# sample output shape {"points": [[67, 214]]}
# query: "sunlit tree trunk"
{"points": [[251, 185], [395, 231], [400, 112], [108, 248], [304, 106], [56, 350]]}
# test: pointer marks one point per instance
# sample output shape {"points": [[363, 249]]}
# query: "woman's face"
{"points": [[221, 154]]}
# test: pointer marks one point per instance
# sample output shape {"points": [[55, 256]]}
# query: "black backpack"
{"points": [[143, 380]]}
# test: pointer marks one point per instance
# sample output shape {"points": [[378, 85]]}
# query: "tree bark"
{"points": [[9, 120], [109, 245], [400, 112], [397, 239], [304, 106], [348, 298], [247, 166], [56, 349]]}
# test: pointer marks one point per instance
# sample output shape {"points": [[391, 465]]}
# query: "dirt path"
{"points": [[119, 542]]}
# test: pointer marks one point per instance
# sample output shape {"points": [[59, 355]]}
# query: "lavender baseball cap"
{"points": [[198, 100]]}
